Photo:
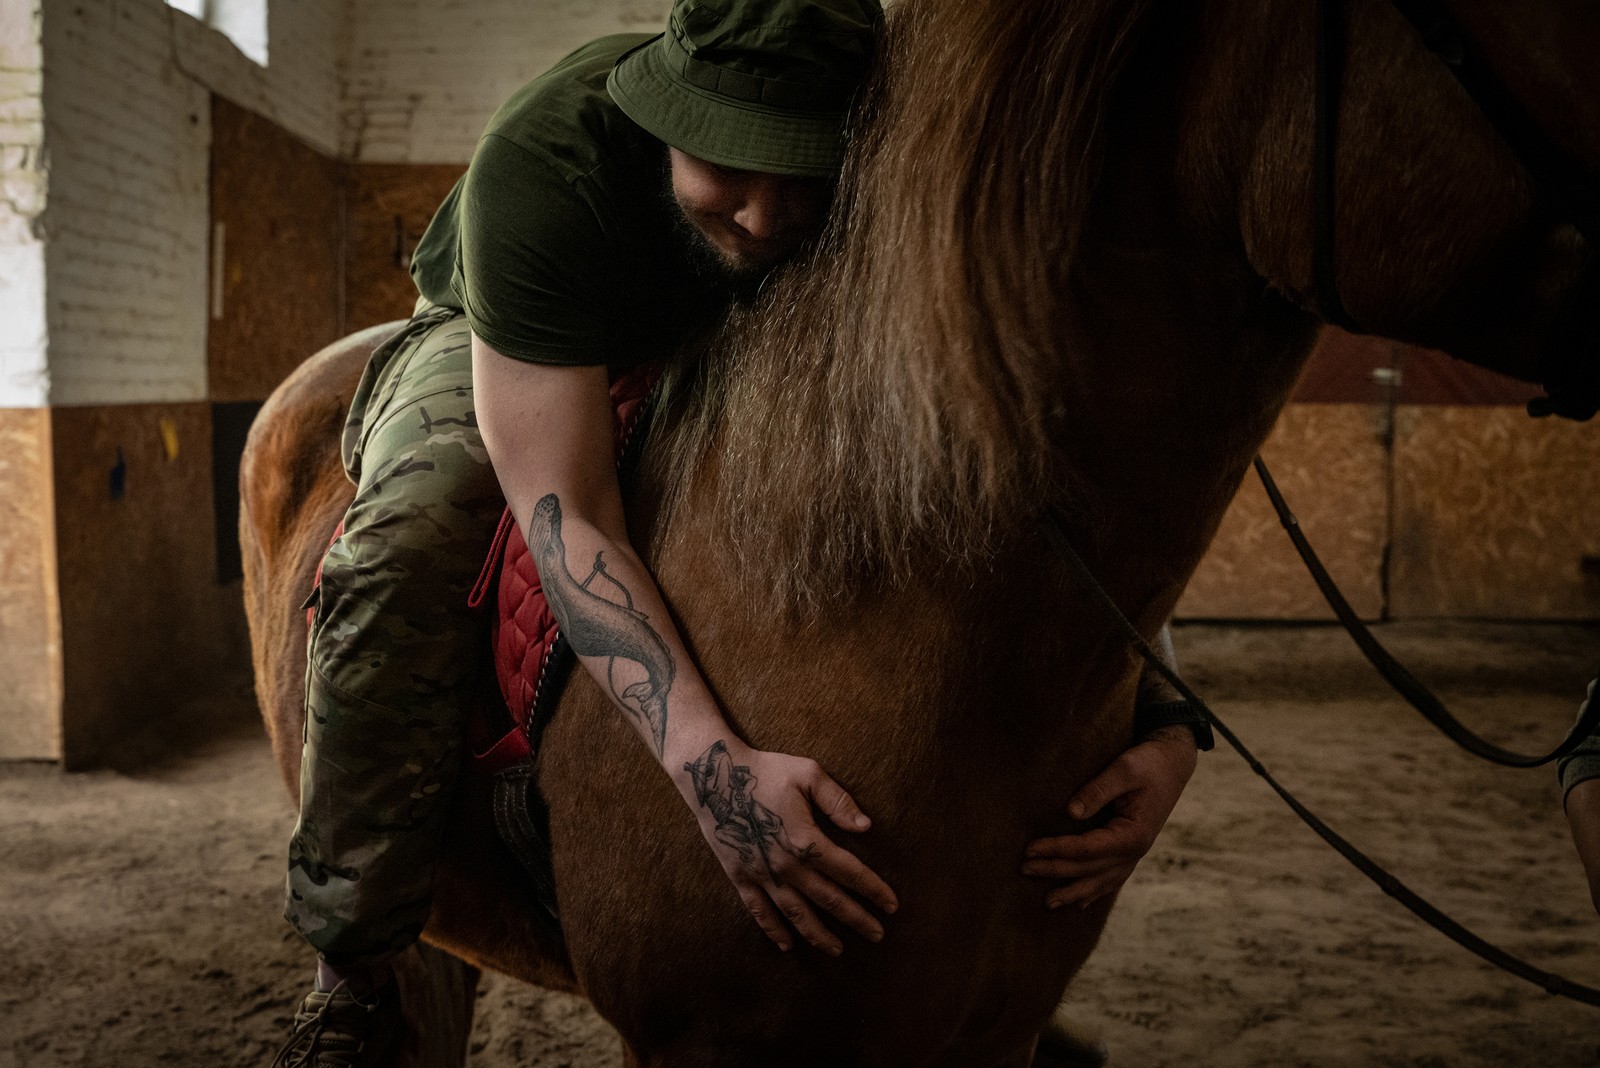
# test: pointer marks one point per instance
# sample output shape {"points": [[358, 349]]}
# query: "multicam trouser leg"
{"points": [[395, 653]]}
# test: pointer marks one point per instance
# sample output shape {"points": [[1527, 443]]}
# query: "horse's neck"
{"points": [[1179, 356], [1164, 417], [1174, 361]]}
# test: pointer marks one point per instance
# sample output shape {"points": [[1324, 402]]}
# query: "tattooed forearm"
{"points": [[727, 791], [597, 627]]}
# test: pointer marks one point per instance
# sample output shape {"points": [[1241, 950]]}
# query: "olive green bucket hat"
{"points": [[760, 85]]}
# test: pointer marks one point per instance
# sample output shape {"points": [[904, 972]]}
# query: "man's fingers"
{"points": [[1085, 892], [836, 804], [846, 869], [1117, 839], [1094, 890], [794, 908], [1101, 790], [1070, 869], [831, 898], [761, 910]]}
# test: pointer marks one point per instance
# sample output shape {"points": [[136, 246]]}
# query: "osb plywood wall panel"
{"points": [[1494, 515], [1329, 461], [30, 647], [144, 625], [390, 205], [277, 201]]}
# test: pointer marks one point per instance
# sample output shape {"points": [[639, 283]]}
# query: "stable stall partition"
{"points": [[1427, 490]]}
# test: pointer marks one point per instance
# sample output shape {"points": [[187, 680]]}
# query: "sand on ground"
{"points": [[139, 907]]}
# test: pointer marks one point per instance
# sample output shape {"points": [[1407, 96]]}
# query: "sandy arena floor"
{"points": [[139, 908]]}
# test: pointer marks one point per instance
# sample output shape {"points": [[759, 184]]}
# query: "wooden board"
{"points": [[1330, 462], [30, 634], [144, 624], [390, 205], [1494, 515], [278, 203]]}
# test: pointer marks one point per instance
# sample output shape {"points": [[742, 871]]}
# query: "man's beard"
{"points": [[704, 261]]}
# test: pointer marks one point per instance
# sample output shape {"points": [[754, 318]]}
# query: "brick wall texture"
{"points": [[23, 378], [127, 126], [422, 78]]}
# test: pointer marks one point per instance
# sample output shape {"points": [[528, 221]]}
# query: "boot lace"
{"points": [[329, 1030]]}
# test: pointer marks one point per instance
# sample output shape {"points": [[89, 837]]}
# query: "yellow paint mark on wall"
{"points": [[169, 437]]}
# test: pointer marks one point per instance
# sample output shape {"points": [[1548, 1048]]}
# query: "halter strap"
{"points": [[1329, 72]]}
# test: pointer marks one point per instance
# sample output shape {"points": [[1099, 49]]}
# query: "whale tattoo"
{"points": [[594, 626]]}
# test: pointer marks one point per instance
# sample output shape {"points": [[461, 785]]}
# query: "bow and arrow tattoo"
{"points": [[595, 626]]}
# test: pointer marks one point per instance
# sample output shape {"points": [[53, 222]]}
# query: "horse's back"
{"points": [[292, 491]]}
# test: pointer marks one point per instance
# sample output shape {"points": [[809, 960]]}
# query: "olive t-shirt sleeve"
{"points": [[534, 259]]}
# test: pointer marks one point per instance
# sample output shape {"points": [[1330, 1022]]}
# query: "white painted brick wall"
{"points": [[422, 77], [125, 88], [24, 379], [127, 124], [298, 88]]}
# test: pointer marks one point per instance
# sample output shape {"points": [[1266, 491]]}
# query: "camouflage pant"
{"points": [[395, 652]]}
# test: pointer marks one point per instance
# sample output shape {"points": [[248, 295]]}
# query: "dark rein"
{"points": [[1572, 390], [1386, 880]]}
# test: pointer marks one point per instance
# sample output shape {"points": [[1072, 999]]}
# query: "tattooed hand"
{"points": [[754, 808]]}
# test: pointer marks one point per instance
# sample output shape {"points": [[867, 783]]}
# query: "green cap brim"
{"points": [[722, 131]]}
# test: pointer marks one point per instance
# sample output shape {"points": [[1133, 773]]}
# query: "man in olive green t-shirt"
{"points": [[614, 207], [582, 236]]}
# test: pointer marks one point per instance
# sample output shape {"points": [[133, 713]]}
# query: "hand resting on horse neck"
{"points": [[754, 808], [546, 428], [1132, 797]]}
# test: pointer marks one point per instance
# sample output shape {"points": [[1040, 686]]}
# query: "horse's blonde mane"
{"points": [[898, 393]]}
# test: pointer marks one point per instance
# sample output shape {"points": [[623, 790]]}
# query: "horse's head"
{"points": [[1070, 236], [1446, 231]]}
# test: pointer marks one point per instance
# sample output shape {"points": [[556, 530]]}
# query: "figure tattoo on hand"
{"points": [[597, 627], [726, 790]]}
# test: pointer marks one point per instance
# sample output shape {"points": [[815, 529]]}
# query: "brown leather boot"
{"points": [[357, 1024]]}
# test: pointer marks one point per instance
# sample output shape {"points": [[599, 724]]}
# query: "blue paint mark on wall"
{"points": [[119, 476]]}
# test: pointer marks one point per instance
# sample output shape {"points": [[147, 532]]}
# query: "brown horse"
{"points": [[1070, 264]]}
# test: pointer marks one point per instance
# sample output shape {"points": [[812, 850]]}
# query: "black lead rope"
{"points": [[1407, 685], [1387, 882]]}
